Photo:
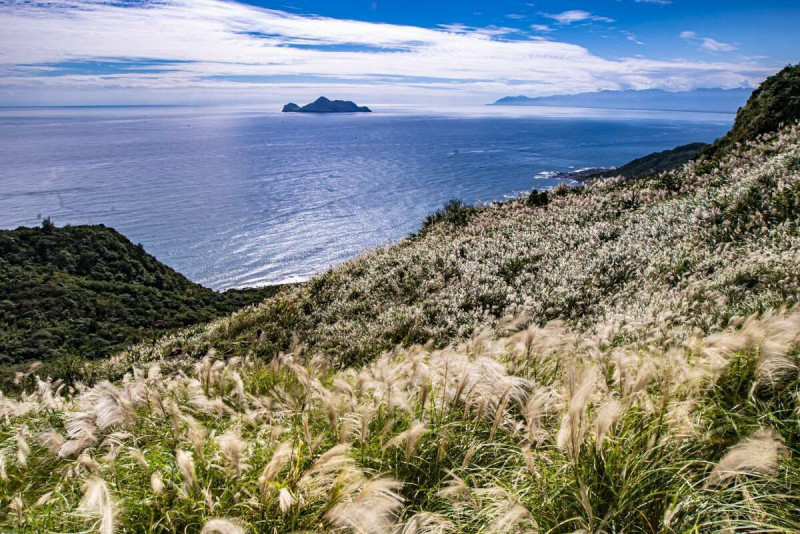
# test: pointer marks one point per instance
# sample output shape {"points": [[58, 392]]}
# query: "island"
{"points": [[324, 105], [701, 100]]}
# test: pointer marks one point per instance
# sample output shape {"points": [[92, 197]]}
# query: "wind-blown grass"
{"points": [[543, 430]]}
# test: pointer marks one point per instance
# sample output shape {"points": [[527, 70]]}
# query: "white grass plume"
{"points": [[222, 526], [409, 439], [374, 509], [457, 490], [757, 455], [185, 463], [139, 458], [607, 415], [428, 523], [233, 453], [97, 502], [573, 427], [52, 441], [280, 458], [23, 449], [285, 500], [17, 509], [156, 483]]}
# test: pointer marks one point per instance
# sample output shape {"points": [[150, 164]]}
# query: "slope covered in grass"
{"points": [[646, 381], [684, 250], [774, 103]]}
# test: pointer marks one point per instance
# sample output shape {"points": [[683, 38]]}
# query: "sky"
{"points": [[398, 52]]}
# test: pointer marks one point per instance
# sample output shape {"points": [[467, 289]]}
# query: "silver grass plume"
{"points": [[17, 507], [507, 512], [23, 449], [409, 438], [757, 455], [185, 464], [573, 427], [428, 523], [457, 490], [323, 473], [607, 415], [52, 441], [372, 511], [97, 501], [139, 458], [285, 500], [233, 452], [222, 526], [280, 458], [156, 483]]}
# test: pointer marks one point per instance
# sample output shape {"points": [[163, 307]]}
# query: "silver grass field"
{"points": [[624, 360]]}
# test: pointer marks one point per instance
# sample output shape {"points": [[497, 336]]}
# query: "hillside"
{"points": [[776, 102], [654, 163], [698, 100], [645, 380], [773, 104], [87, 291]]}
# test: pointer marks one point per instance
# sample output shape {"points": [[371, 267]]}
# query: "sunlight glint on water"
{"points": [[234, 197]]}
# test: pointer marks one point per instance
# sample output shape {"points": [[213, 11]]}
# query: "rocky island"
{"points": [[323, 105]]}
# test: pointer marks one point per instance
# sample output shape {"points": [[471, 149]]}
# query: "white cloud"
{"points": [[575, 15], [716, 46], [707, 43], [490, 31], [225, 50], [544, 28], [631, 37], [660, 2]]}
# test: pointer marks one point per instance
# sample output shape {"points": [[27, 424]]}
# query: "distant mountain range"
{"points": [[324, 105], [708, 100]]}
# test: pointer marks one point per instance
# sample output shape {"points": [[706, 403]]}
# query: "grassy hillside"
{"points": [[774, 103], [87, 291], [645, 380], [655, 163], [704, 248]]}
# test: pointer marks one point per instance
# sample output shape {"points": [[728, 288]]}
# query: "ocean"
{"points": [[236, 197]]}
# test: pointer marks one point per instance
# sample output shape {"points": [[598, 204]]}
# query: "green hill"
{"points": [[774, 103], [656, 162], [87, 291]]}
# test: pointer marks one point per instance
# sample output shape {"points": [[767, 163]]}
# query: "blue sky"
{"points": [[381, 52]]}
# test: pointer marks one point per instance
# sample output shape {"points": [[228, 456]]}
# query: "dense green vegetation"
{"points": [[774, 103], [655, 163], [87, 291]]}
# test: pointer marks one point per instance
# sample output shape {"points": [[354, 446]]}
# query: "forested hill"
{"points": [[88, 291]]}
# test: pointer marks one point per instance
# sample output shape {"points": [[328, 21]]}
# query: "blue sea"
{"points": [[235, 197]]}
